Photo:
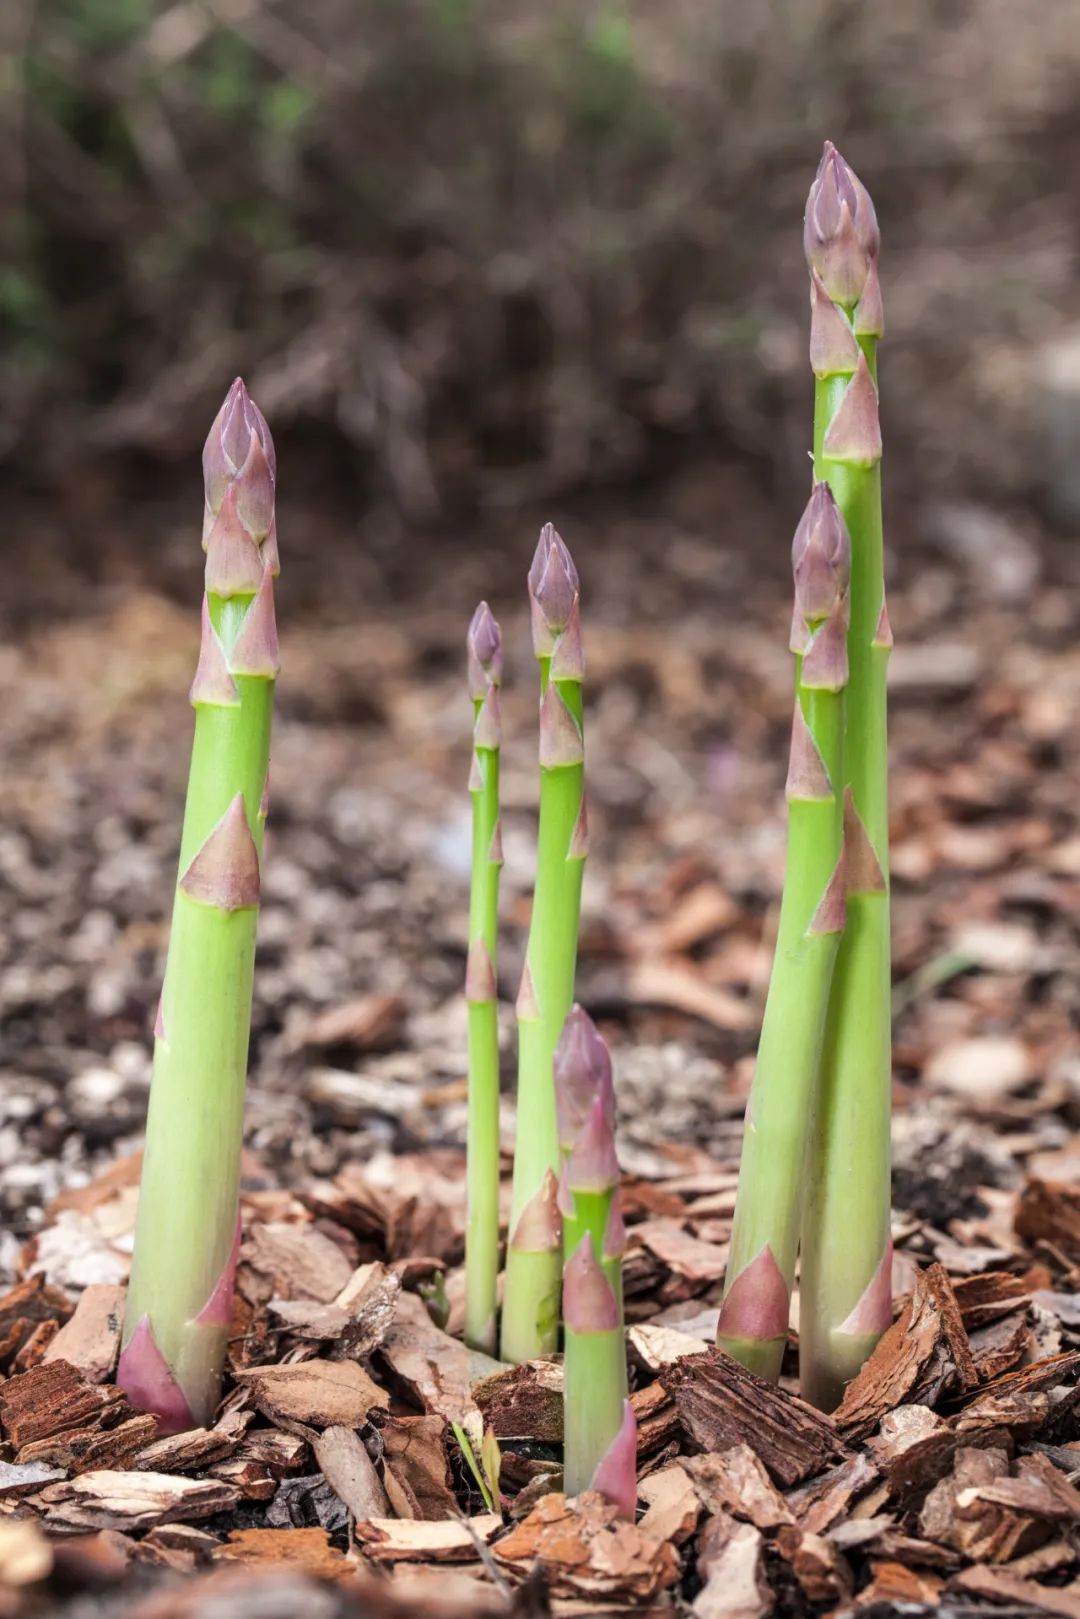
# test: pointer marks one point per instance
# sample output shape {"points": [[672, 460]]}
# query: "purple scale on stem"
{"points": [[854, 434], [872, 1315], [224, 872], [592, 1165], [820, 556], [616, 1475], [589, 1302], [756, 1304], [213, 684], [539, 1227], [560, 735], [145, 1378], [255, 650]]}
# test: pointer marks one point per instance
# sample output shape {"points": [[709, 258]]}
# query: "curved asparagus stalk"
{"points": [[846, 1260], [482, 1172], [530, 1320], [765, 1236], [180, 1297], [595, 1385]]}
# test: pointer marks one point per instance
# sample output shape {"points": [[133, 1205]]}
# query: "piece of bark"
{"points": [[1049, 1211], [988, 1296], [825, 1500], [731, 1562], [90, 1340], [36, 1347], [299, 1261], [253, 1481], [350, 1472], [999, 1585], [672, 1505], [821, 1571], [655, 1346], [721, 1404], [394, 1540], [322, 1393], [922, 1356], [279, 1452], [897, 1586], [416, 1467], [179, 1546], [999, 1346], [24, 1478], [131, 1501], [583, 1548], [84, 1450], [940, 1516], [523, 1402], [736, 1482], [23, 1308], [656, 1417], [199, 1447], [95, 1561], [368, 1023], [437, 1370], [306, 1549], [689, 1257], [53, 1398]]}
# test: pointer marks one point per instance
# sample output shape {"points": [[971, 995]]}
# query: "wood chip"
{"points": [[721, 1404], [584, 1549], [417, 1467], [323, 1393], [731, 1559], [1049, 1211], [822, 1573], [179, 1546], [25, 1307], [131, 1501], [695, 1260], [827, 1499], [90, 1341], [438, 1370], [523, 1402], [300, 1261], [998, 1585], [81, 1450], [350, 1472], [390, 1540], [52, 1398], [306, 1549], [736, 1483], [672, 1505], [662, 1346]]}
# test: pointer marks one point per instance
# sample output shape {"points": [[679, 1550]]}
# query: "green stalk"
{"points": [[765, 1235], [530, 1322], [847, 1258], [179, 1301], [482, 1166]]}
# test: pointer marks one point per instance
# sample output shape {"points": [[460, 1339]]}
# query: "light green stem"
{"points": [[846, 1222], [594, 1363], [482, 1169]]}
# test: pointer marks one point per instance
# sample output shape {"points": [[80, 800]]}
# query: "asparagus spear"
{"points": [[180, 1297], [595, 1403], [485, 658], [530, 1322], [847, 1259], [765, 1235]]}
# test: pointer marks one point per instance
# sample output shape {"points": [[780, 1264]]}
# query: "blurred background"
{"points": [[482, 263]]}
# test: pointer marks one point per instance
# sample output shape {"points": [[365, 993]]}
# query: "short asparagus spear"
{"points": [[765, 1235], [599, 1450], [485, 657], [180, 1297], [846, 1261], [530, 1320]]}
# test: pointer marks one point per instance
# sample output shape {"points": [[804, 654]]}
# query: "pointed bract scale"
{"points": [[869, 318], [840, 230], [476, 775], [485, 652], [567, 1206], [217, 1311], [145, 1378], [270, 555], [615, 1229], [159, 1018], [807, 777], [526, 1006], [234, 565], [589, 1302], [255, 492], [825, 663], [539, 1227], [495, 847], [568, 657], [225, 870], [834, 351], [582, 1071], [593, 1165], [820, 556], [831, 913], [553, 589], [799, 639], [864, 873], [561, 744], [255, 650], [872, 1315], [213, 685], [616, 1473], [883, 633], [487, 731], [479, 974], [228, 443], [854, 434], [579, 838], [756, 1304]]}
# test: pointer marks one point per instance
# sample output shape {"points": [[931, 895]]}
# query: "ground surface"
{"points": [[357, 1093]]}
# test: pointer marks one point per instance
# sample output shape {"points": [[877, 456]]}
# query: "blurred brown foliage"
{"points": [[503, 249]]}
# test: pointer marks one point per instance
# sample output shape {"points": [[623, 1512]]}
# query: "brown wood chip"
{"points": [[721, 1404], [1049, 1211], [998, 1585], [672, 1505], [584, 1549], [736, 1482], [390, 1540], [523, 1402], [53, 1398], [306, 1549], [90, 1341], [417, 1468], [822, 1573], [731, 1559], [350, 1472], [130, 1501], [322, 1393], [439, 1371]]}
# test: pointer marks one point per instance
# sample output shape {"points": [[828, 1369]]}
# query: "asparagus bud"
{"points": [[820, 557], [582, 1072], [840, 230], [187, 1234], [485, 663]]}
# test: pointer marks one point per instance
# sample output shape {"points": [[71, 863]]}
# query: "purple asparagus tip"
{"points": [[592, 1165], [820, 556], [485, 653], [616, 1474], [840, 231], [582, 1072], [238, 457], [553, 590], [145, 1378], [589, 1302]]}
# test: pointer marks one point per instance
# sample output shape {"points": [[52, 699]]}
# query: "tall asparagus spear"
{"points": [[180, 1297], [765, 1235], [482, 1173], [530, 1320], [847, 1256], [599, 1434]]}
